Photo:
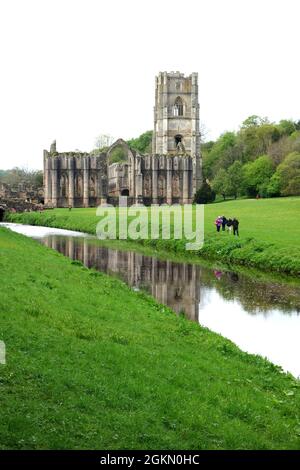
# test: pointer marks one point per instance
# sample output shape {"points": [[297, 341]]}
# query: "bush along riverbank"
{"points": [[91, 364], [282, 255]]}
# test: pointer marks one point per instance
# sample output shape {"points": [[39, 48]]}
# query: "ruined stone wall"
{"points": [[172, 174], [22, 192], [118, 183], [167, 180], [74, 179], [15, 204], [84, 180]]}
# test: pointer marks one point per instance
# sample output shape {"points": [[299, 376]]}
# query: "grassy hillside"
{"points": [[269, 232], [92, 364]]}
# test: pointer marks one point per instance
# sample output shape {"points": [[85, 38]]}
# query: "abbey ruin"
{"points": [[170, 174]]}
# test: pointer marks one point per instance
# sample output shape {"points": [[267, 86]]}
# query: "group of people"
{"points": [[231, 224]]}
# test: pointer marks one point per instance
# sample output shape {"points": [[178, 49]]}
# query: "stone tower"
{"points": [[170, 175], [176, 118]]}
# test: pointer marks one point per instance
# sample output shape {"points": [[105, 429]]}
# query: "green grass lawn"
{"points": [[92, 364], [269, 232], [270, 220]]}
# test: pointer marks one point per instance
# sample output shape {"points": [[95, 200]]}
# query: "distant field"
{"points": [[269, 231]]}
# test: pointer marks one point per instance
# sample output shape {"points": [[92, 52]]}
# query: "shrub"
{"points": [[204, 194]]}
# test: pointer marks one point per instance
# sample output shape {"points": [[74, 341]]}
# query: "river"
{"points": [[261, 317]]}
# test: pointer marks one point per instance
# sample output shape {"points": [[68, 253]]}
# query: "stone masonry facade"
{"points": [[171, 174]]}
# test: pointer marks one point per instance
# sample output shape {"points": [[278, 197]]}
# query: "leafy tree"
{"points": [[204, 194], [257, 174], [273, 187], [254, 121], [117, 155], [267, 133], [37, 178], [220, 183], [221, 155], [286, 127], [205, 151], [295, 141], [207, 146], [288, 173], [234, 179], [293, 188], [257, 134], [278, 150], [143, 143]]}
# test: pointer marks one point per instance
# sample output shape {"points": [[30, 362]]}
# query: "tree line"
{"points": [[16, 176], [261, 159]]}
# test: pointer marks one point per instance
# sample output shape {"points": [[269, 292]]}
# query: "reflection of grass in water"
{"points": [[269, 228], [256, 295], [254, 290], [91, 364], [192, 258]]}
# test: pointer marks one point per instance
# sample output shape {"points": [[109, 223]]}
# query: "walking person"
{"points": [[218, 223], [235, 225], [229, 225], [224, 223]]}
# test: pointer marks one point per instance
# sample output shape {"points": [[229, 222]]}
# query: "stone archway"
{"points": [[121, 173], [123, 145]]}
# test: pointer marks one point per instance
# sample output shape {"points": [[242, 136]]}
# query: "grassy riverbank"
{"points": [[91, 364], [269, 232]]}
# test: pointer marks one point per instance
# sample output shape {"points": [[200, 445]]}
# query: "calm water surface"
{"points": [[260, 317]]}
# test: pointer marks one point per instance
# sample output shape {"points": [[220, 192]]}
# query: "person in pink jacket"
{"points": [[218, 222]]}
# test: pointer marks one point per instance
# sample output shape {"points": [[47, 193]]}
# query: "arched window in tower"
{"points": [[178, 107]]}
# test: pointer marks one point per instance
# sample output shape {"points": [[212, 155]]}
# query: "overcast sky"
{"points": [[74, 69]]}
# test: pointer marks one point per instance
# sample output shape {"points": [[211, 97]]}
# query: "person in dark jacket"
{"points": [[235, 225], [229, 225], [224, 223]]}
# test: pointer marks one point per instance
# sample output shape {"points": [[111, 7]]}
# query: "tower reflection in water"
{"points": [[174, 284]]}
